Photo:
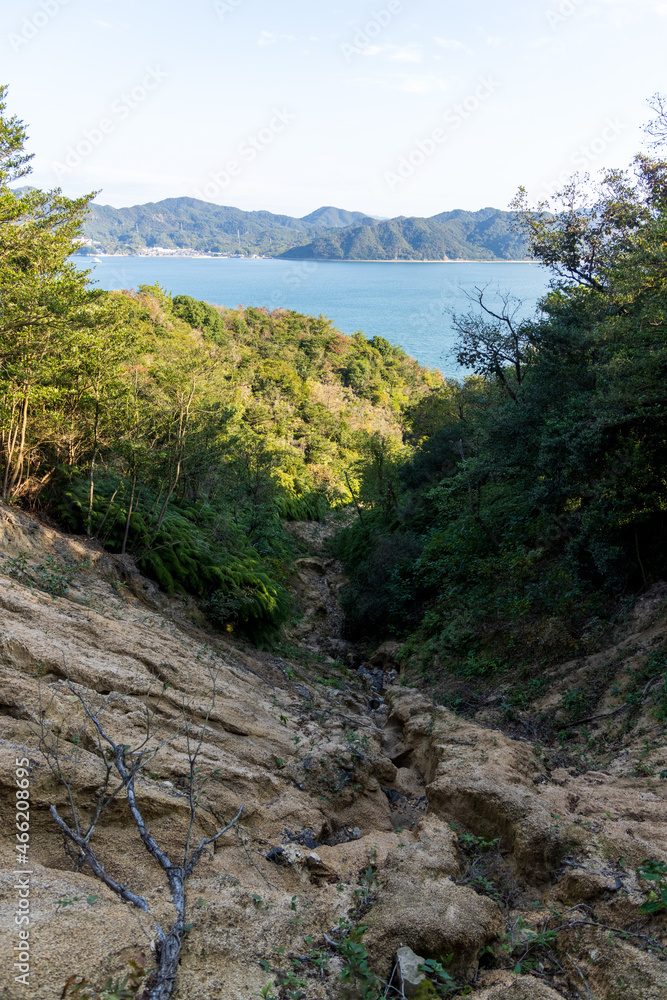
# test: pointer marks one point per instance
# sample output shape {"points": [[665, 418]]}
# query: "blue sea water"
{"points": [[411, 304]]}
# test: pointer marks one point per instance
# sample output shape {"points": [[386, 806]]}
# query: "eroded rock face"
{"points": [[433, 916], [510, 987], [350, 812]]}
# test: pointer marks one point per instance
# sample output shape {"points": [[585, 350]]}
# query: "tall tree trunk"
{"points": [[356, 502], [12, 434], [91, 491], [18, 466], [129, 515]]}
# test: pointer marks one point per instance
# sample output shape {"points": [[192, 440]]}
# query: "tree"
{"points": [[13, 160], [45, 303], [590, 227], [657, 128], [496, 347], [121, 765]]}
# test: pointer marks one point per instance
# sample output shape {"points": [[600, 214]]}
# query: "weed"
{"points": [[367, 882], [357, 974], [656, 872], [49, 576], [266, 992], [125, 988], [17, 566], [529, 943], [60, 904], [259, 903], [438, 976]]}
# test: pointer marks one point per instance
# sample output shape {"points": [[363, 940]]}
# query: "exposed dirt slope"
{"points": [[359, 802]]}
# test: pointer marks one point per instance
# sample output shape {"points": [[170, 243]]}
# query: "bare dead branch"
{"points": [[128, 763]]}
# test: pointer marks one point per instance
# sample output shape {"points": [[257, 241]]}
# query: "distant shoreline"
{"points": [[295, 260]]}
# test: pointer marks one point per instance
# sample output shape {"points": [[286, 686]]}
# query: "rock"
{"points": [[565, 837], [385, 656], [408, 971], [511, 987], [433, 916], [311, 564], [408, 783]]}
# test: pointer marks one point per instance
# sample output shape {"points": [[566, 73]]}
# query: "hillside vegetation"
{"points": [[326, 234], [188, 223], [534, 508], [179, 433], [484, 235], [504, 541]]}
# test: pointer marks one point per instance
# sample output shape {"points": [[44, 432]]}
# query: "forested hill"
{"points": [[326, 234], [458, 235], [188, 223]]}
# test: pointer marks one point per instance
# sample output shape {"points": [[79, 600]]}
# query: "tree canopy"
{"points": [[536, 501]]}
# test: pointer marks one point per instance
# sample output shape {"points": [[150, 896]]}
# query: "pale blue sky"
{"points": [[398, 107]]}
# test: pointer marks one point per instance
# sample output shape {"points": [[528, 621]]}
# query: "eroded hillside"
{"points": [[364, 804]]}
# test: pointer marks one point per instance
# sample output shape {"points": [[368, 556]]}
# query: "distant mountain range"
{"points": [[326, 234], [458, 235]]}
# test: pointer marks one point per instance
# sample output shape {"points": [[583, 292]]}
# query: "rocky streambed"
{"points": [[364, 806]]}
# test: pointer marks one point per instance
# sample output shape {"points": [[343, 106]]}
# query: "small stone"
{"points": [[356, 833], [408, 969]]}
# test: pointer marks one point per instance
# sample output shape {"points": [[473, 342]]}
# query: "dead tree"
{"points": [[122, 765], [495, 344]]}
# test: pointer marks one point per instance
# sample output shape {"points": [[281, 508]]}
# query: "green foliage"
{"points": [[51, 576], [177, 432], [121, 988], [361, 982], [183, 222], [172, 430], [535, 497], [527, 947], [655, 872], [438, 981], [649, 682], [201, 316]]}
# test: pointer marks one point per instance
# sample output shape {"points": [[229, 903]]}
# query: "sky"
{"points": [[398, 107]]}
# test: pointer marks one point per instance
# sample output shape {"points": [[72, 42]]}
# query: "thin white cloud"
{"points": [[268, 38], [396, 53], [449, 43], [404, 53], [109, 24], [411, 83]]}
